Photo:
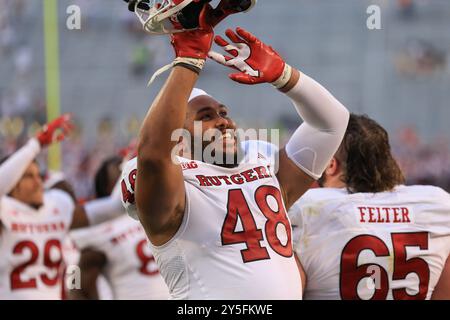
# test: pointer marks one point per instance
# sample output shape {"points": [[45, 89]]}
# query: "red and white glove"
{"points": [[197, 43], [256, 61], [55, 131], [191, 47]]}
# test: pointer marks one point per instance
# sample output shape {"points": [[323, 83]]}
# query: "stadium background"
{"points": [[399, 75]]}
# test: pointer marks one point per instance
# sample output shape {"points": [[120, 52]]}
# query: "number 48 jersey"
{"points": [[390, 245], [235, 239]]}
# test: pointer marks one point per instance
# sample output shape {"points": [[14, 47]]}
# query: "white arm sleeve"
{"points": [[13, 169], [102, 210], [316, 141]]}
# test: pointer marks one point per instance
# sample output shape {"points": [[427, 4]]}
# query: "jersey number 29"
{"points": [[51, 263]]}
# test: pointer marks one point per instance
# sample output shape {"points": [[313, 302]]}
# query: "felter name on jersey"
{"points": [[257, 173], [384, 214]]}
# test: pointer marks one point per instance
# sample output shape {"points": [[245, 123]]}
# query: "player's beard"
{"points": [[225, 163], [229, 158], [226, 156]]}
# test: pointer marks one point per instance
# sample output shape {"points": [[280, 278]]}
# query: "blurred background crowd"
{"points": [[399, 75]]}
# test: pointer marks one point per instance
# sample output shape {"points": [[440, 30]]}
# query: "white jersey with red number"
{"points": [[235, 239], [390, 245], [31, 263], [131, 270]]}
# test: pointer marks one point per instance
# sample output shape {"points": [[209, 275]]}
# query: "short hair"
{"points": [[366, 158], [102, 179]]}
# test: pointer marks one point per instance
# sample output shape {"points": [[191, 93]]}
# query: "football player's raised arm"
{"points": [[159, 187], [325, 119], [314, 143], [12, 170], [442, 289]]}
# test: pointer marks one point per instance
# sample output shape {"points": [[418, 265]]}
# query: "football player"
{"points": [[34, 222], [365, 235], [221, 231], [118, 250]]}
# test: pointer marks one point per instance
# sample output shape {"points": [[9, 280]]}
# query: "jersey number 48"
{"points": [[250, 234]]}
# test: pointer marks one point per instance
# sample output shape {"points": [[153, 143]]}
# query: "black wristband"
{"points": [[195, 69]]}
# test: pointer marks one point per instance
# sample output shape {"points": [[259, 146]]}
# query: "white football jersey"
{"points": [[131, 269], [390, 245], [31, 263], [235, 239]]}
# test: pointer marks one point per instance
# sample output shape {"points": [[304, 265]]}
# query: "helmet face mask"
{"points": [[173, 16], [161, 18]]}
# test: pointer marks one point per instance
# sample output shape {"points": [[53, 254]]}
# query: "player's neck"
{"points": [[236, 160], [227, 166], [229, 162], [334, 182], [34, 206]]}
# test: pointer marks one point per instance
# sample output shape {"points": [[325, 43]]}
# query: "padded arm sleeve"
{"points": [[316, 141], [13, 169]]}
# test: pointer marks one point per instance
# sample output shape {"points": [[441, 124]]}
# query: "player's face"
{"points": [[212, 115], [30, 189]]}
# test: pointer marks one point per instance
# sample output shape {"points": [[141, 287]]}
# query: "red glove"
{"points": [[256, 61], [191, 47], [55, 131], [197, 43]]}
